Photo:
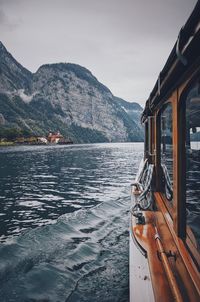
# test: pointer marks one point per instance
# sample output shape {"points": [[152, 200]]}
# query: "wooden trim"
{"points": [[158, 153], [145, 234], [185, 231], [186, 259], [151, 139], [174, 276], [179, 168], [169, 205], [146, 140], [170, 276]]}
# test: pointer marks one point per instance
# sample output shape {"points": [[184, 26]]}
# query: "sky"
{"points": [[124, 43]]}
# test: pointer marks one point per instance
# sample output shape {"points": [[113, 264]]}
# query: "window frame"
{"points": [[146, 129], [186, 234], [169, 204]]}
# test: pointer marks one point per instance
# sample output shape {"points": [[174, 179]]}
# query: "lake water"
{"points": [[64, 219]]}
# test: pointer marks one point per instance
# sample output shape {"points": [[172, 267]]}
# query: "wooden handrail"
{"points": [[170, 277]]}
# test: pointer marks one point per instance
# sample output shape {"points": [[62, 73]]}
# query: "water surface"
{"points": [[64, 221]]}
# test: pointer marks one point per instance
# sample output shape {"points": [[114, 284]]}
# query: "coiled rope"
{"points": [[144, 200], [167, 183]]}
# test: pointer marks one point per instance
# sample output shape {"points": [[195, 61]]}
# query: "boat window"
{"points": [[166, 150], [192, 144], [146, 147], [151, 135]]}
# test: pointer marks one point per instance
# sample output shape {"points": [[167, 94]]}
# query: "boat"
{"points": [[165, 195]]}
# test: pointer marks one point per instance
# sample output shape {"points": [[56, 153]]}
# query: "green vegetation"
{"points": [[38, 118], [87, 135], [11, 134], [33, 104], [2, 144]]}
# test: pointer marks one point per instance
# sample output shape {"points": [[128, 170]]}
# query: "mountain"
{"points": [[133, 109], [64, 97], [13, 76]]}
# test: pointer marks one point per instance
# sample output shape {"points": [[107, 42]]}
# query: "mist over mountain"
{"points": [[63, 97]]}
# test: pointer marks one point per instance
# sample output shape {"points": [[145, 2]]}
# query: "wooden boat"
{"points": [[165, 215]]}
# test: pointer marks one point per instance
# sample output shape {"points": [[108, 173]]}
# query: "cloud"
{"points": [[3, 18], [7, 23], [124, 43]]}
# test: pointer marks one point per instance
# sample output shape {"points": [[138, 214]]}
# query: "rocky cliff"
{"points": [[64, 97]]}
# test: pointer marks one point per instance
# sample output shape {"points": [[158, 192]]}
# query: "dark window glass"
{"points": [[193, 161], [151, 135], [167, 151], [146, 140]]}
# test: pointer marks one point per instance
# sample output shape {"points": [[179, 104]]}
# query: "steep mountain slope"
{"points": [[134, 110], [64, 97], [13, 76]]}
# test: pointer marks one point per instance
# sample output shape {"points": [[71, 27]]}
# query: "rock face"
{"points": [[13, 76], [64, 97]]}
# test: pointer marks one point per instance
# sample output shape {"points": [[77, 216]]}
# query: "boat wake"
{"points": [[64, 224], [70, 260]]}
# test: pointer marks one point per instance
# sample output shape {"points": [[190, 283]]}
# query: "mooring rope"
{"points": [[168, 184], [147, 188]]}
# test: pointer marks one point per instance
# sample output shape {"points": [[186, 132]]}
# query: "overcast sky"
{"points": [[124, 43]]}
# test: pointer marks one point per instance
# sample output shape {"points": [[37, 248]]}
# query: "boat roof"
{"points": [[184, 54]]}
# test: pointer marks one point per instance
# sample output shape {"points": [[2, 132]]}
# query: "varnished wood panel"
{"points": [[185, 266], [144, 234]]}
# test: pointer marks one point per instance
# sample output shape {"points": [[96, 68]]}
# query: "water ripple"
{"points": [[64, 222]]}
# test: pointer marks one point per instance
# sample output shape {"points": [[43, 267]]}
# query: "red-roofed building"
{"points": [[54, 138]]}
